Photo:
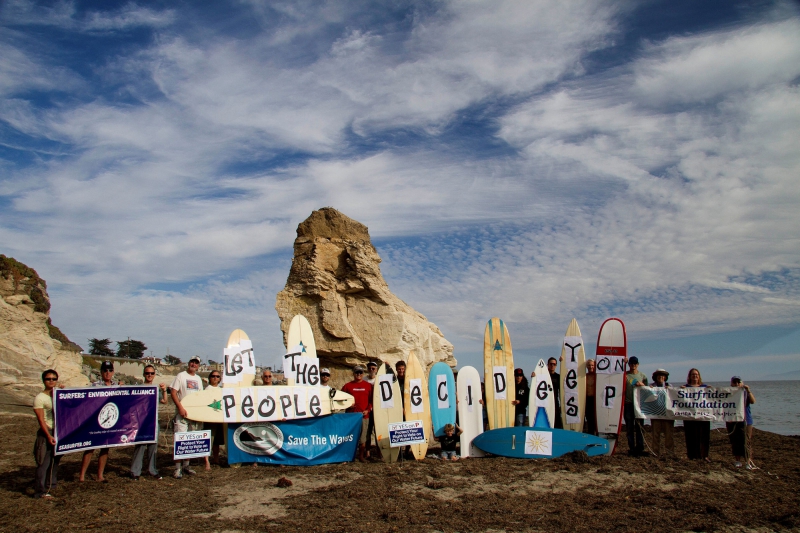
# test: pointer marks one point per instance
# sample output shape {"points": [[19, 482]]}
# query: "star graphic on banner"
{"points": [[216, 405], [497, 345], [537, 443]]}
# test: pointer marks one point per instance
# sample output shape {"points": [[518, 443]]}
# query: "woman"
{"points": [[697, 432], [659, 426], [741, 433], [148, 451], [591, 406], [44, 447], [217, 428]]}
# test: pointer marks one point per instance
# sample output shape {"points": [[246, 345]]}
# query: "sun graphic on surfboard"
{"points": [[537, 443]]}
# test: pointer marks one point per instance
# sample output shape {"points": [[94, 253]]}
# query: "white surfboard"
{"points": [[573, 378], [470, 410], [300, 333], [238, 361], [612, 349], [542, 402], [387, 408]]}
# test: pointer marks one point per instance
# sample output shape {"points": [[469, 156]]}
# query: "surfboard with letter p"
{"points": [[612, 350], [498, 370]]}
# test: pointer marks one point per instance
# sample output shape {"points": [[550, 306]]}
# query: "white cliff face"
{"points": [[26, 348], [336, 283]]}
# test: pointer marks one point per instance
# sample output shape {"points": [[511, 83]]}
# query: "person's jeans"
{"points": [[634, 430], [448, 455], [519, 420], [139, 453]]}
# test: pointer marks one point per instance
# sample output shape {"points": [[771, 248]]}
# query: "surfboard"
{"points": [[300, 333], [573, 378], [470, 410], [238, 361], [209, 405], [612, 349], [542, 402], [387, 408], [539, 443], [442, 391], [498, 370], [417, 402]]}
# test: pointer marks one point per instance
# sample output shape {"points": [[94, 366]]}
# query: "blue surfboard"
{"points": [[442, 388], [538, 442]]}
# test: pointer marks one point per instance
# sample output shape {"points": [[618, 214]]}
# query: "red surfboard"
{"points": [[611, 355]]}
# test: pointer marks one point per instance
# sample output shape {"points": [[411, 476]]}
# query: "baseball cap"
{"points": [[106, 365], [736, 378], [323, 371], [358, 368], [519, 372], [195, 359], [372, 363], [633, 360]]}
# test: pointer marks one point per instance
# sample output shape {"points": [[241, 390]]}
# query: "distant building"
{"points": [[152, 360]]}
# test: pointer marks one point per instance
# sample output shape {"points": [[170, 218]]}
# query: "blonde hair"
{"points": [[699, 377], [449, 427]]}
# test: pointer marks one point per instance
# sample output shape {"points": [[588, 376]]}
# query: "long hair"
{"points": [[700, 378]]}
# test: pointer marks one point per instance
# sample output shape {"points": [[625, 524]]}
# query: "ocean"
{"points": [[777, 407]]}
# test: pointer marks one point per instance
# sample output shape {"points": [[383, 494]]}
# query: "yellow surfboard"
{"points": [[498, 370], [573, 378], [417, 402], [388, 392]]}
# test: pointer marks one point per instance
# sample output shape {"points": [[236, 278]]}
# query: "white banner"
{"points": [[724, 404], [238, 360], [571, 346], [299, 368], [385, 390], [542, 390], [499, 382], [571, 407], [265, 404], [610, 364], [442, 396], [608, 396], [415, 395], [538, 443]]}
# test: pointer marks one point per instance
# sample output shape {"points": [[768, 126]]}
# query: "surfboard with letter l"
{"points": [[300, 334], [387, 408], [541, 402], [470, 410], [442, 391], [417, 402], [573, 378], [498, 370], [539, 443], [612, 350], [264, 403]]}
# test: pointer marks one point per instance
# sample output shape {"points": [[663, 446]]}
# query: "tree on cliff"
{"points": [[101, 347], [172, 360], [132, 349]]}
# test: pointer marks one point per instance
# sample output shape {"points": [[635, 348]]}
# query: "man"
{"points": [[187, 382], [400, 369], [634, 427], [741, 433], [552, 363], [372, 372], [520, 401], [148, 450], [106, 380], [361, 391], [325, 377], [266, 377], [665, 427]]}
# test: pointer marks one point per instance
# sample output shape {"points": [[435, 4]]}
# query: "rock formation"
{"points": [[29, 343], [336, 283]]}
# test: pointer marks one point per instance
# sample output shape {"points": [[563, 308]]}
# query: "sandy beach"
{"points": [[491, 494]]}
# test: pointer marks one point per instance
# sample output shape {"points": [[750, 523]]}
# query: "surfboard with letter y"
{"points": [[573, 378], [612, 350], [387, 408], [470, 410], [498, 370], [417, 402]]}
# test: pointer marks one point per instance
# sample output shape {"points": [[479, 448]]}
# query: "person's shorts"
{"points": [[448, 455], [182, 425], [364, 430]]}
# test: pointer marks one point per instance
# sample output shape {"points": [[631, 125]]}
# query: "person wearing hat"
{"points": [[361, 391], [520, 401], [634, 427], [372, 374], [106, 380], [186, 382], [741, 433], [148, 451], [325, 377], [659, 426]]}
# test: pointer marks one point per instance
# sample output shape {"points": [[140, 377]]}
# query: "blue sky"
{"points": [[535, 161]]}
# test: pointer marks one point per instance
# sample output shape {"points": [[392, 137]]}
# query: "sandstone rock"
{"points": [[336, 283], [27, 346]]}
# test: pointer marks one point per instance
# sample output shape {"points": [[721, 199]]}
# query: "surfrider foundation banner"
{"points": [[689, 403], [104, 417], [301, 442]]}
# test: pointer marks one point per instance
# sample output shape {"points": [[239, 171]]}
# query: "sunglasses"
{"points": [[106, 370], [51, 379], [149, 373], [213, 377], [358, 372]]}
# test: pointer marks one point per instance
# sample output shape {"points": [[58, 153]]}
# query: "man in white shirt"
{"points": [[187, 382]]}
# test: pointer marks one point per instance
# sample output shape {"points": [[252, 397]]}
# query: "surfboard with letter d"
{"points": [[387, 408], [612, 350], [498, 370], [573, 378]]}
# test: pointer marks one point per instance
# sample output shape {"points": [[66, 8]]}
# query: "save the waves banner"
{"points": [[104, 417], [690, 403], [303, 442]]}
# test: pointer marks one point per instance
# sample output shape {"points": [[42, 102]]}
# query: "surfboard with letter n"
{"points": [[573, 378], [612, 350], [498, 370]]}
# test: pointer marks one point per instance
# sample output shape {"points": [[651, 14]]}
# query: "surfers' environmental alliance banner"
{"points": [[104, 417], [301, 442], [690, 403]]}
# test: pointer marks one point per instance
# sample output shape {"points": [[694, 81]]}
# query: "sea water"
{"points": [[777, 407]]}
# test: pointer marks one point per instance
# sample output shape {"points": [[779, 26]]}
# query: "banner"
{"points": [[266, 404], [299, 369], [104, 417], [406, 433], [309, 441], [238, 361], [689, 403], [191, 444]]}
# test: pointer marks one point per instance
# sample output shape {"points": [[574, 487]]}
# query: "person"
{"points": [[106, 380], [400, 369], [44, 448], [697, 432], [372, 372], [217, 428], [325, 377], [634, 427], [659, 426], [741, 433], [520, 401], [148, 450], [449, 441], [361, 391], [590, 425], [186, 382], [552, 363], [266, 377]]}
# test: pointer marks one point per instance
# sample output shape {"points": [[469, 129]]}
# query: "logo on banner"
{"points": [[108, 416], [258, 439]]}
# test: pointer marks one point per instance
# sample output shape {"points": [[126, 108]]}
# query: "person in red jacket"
{"points": [[361, 391]]}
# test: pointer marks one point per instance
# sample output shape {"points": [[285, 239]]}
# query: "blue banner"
{"points": [[301, 442], [104, 417]]}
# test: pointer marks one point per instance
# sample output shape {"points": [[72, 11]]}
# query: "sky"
{"points": [[535, 161]]}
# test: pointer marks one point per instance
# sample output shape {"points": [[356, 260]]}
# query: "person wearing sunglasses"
{"points": [[44, 447], [361, 391], [148, 450], [106, 380], [217, 428], [186, 382], [552, 365]]}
